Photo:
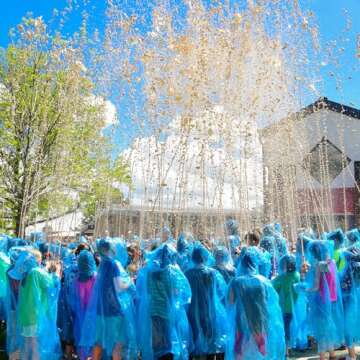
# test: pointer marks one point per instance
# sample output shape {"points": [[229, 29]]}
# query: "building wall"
{"points": [[291, 193], [63, 226], [146, 224]]}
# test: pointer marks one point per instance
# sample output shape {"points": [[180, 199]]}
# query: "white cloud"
{"points": [[110, 112], [197, 169]]}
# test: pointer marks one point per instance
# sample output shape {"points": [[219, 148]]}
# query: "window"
{"points": [[325, 162]]}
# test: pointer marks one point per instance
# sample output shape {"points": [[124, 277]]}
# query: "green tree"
{"points": [[52, 147]]}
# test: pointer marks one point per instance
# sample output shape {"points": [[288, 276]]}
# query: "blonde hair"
{"points": [[37, 254]]}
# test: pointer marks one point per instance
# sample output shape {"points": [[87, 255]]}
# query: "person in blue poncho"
{"points": [[36, 308], [4, 266], [65, 316], [223, 263], [134, 260], [267, 243], [280, 241], [353, 237], [301, 250], [232, 229], [106, 327], [284, 284], [166, 236], [206, 312], [325, 299], [12, 296], [184, 249], [338, 238], [163, 292], [79, 298], [256, 324], [350, 287]]}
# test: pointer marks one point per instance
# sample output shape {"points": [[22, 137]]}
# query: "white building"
{"points": [[65, 226], [312, 167]]}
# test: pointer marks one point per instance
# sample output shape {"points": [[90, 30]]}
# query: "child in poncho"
{"points": [[107, 329], [37, 309], [325, 299], [255, 319], [206, 312], [284, 285], [80, 295]]}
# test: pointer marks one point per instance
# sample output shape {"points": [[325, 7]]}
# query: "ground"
{"points": [[341, 354]]}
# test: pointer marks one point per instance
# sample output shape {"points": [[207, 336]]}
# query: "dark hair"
{"points": [[81, 247], [252, 238]]}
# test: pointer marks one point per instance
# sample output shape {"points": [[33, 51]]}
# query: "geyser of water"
{"points": [[196, 82]]}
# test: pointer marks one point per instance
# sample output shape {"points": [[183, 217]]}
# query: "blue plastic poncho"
{"points": [[4, 266], [267, 243], [4, 243], [350, 287], [36, 310], [165, 236], [224, 263], [285, 284], [280, 241], [109, 323], [80, 294], [65, 316], [37, 236], [232, 228], [325, 299], [338, 241], [12, 296], [302, 243], [263, 261], [353, 237], [121, 253], [163, 292], [184, 249], [256, 324], [206, 312]]}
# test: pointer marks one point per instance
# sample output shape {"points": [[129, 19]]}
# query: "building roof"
{"points": [[323, 103]]}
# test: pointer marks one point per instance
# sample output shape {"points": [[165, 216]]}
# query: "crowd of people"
{"points": [[181, 298]]}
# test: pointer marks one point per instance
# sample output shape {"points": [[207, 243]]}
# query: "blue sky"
{"points": [[329, 13]]}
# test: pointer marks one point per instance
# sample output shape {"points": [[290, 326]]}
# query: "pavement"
{"points": [[340, 355]]}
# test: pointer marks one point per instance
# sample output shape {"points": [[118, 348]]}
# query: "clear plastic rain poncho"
{"points": [[338, 241], [4, 266], [163, 292], [79, 297], [108, 326], [232, 228], [353, 237], [284, 284], [280, 241], [165, 236], [325, 299], [121, 254], [36, 309], [302, 242], [350, 287], [184, 249], [12, 296], [267, 243], [263, 261], [4, 243], [224, 263], [65, 316], [127, 298], [206, 312], [256, 323]]}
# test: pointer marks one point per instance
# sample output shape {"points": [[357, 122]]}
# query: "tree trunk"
{"points": [[18, 220]]}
